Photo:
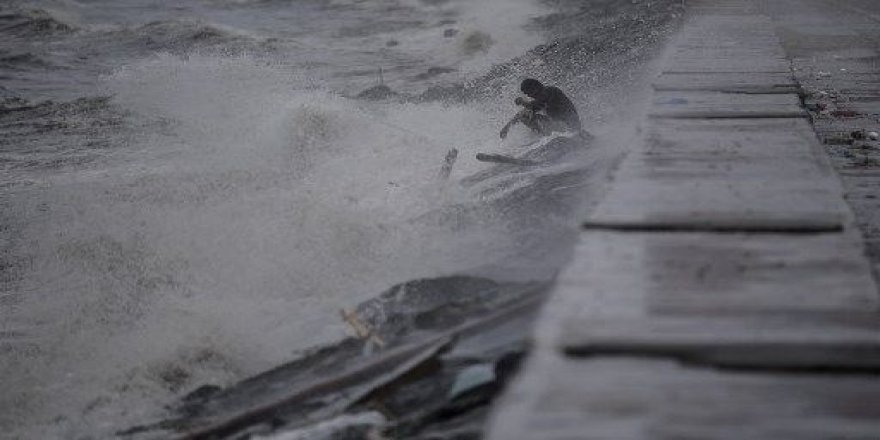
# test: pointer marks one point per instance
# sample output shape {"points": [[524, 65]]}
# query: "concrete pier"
{"points": [[721, 290]]}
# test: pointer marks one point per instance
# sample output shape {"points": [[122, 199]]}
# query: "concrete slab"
{"points": [[868, 108], [728, 54], [705, 50], [734, 56], [724, 243], [731, 66], [764, 139], [629, 398], [688, 105], [737, 175], [641, 275], [811, 342], [763, 83]]}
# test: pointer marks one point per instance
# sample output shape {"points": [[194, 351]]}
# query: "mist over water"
{"points": [[200, 194]]}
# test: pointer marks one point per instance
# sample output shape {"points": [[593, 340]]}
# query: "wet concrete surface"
{"points": [[722, 289], [834, 49]]}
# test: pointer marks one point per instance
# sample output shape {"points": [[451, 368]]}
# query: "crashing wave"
{"points": [[81, 128], [24, 61], [32, 23], [180, 36]]}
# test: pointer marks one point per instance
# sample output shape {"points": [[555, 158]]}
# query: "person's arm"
{"points": [[533, 105], [507, 126], [517, 118]]}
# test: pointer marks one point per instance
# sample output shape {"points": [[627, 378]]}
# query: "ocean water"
{"points": [[191, 190]]}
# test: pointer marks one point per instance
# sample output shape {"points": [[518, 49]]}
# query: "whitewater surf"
{"points": [[191, 193]]}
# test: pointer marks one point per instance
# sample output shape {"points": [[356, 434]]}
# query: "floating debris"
{"points": [[472, 378], [342, 427], [448, 163], [377, 93], [361, 330], [442, 350]]}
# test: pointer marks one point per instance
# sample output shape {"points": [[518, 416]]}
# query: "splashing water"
{"points": [[236, 235], [209, 219]]}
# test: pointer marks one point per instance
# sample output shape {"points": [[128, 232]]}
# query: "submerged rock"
{"points": [[477, 42], [471, 378], [200, 395], [344, 427], [446, 345], [376, 93], [434, 71], [450, 93]]}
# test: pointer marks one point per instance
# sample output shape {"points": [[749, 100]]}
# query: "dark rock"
{"points": [[477, 42], [472, 379], [201, 394], [410, 313], [454, 93], [507, 366], [429, 304], [377, 93], [174, 377], [433, 71]]}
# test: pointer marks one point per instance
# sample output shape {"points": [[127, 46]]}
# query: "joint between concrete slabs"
{"points": [[729, 115], [793, 227]]}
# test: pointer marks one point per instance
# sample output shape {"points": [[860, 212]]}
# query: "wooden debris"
{"points": [[361, 330]]}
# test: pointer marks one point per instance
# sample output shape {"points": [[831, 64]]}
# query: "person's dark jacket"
{"points": [[557, 106]]}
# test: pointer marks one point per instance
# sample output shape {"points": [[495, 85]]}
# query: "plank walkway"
{"points": [[721, 290]]}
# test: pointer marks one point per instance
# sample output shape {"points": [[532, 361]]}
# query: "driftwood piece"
{"points": [[448, 162], [367, 379], [406, 358], [500, 158], [361, 330]]}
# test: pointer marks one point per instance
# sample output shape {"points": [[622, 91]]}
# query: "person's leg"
{"points": [[537, 122], [524, 116]]}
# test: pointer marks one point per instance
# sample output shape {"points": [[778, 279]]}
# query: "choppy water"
{"points": [[189, 192]]}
